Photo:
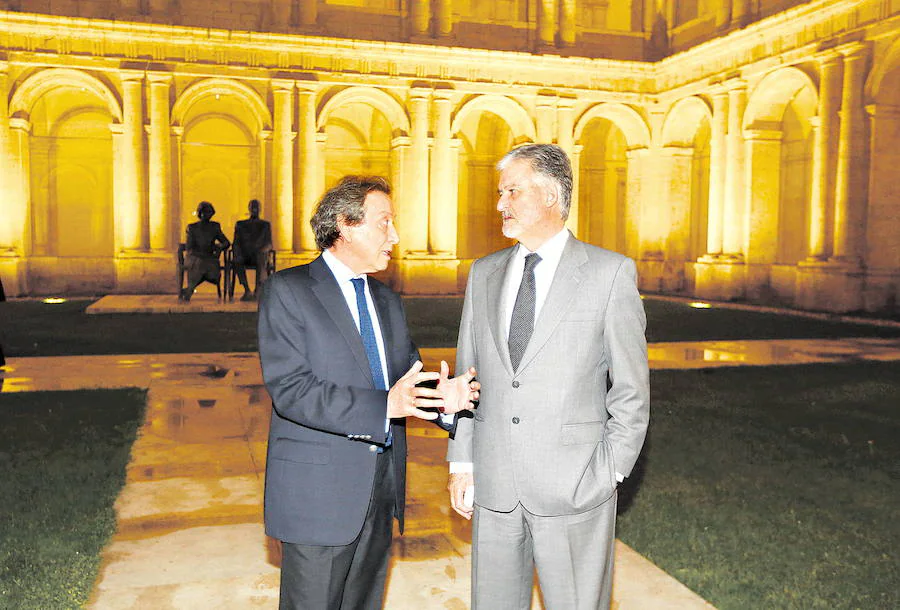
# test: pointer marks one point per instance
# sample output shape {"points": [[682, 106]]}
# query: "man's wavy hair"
{"points": [[344, 201]]}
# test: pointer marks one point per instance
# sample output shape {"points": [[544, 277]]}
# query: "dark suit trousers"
{"points": [[347, 577]]}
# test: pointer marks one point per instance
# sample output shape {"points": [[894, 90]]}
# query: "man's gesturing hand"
{"points": [[458, 393], [405, 399]]}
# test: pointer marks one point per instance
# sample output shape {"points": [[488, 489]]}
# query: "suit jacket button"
{"points": [[373, 448], [516, 384], [515, 420]]}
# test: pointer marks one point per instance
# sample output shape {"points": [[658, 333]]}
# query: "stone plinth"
{"points": [[146, 272], [719, 278], [13, 273], [829, 286], [427, 274]]}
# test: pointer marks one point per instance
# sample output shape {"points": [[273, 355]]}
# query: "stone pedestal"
{"points": [[829, 286], [13, 272], [146, 272], [881, 293], [427, 274], [719, 278], [651, 274]]}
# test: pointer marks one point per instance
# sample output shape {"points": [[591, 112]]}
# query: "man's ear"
{"points": [[552, 197], [344, 229]]}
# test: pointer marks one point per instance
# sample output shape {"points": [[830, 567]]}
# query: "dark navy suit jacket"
{"points": [[319, 475]]}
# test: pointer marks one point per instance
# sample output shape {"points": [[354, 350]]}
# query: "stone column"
{"points": [[282, 161], [177, 132], [677, 226], [565, 138], [717, 165], [12, 209], [735, 202], [546, 23], [637, 159], [567, 23], [160, 164], [131, 218], [19, 175], [420, 15], [544, 114], [444, 18], [309, 12], [820, 191], [444, 190], [723, 14], [574, 222], [415, 202], [763, 184], [740, 13], [308, 165], [850, 191]]}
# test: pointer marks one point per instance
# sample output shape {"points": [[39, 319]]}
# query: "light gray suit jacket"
{"points": [[553, 434]]}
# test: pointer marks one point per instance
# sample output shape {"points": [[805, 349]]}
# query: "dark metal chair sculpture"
{"points": [[225, 272], [271, 264]]}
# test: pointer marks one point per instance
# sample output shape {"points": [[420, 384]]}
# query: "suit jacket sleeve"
{"points": [[460, 446], [628, 400], [298, 394]]}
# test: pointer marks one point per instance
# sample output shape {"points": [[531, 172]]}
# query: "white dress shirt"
{"points": [[343, 274]]}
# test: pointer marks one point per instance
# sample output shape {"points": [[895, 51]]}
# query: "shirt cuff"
{"points": [[619, 477], [461, 467], [447, 418]]}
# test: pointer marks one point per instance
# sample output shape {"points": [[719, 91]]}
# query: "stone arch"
{"points": [[772, 95], [504, 107], [632, 124], [378, 99], [682, 121], [222, 86], [881, 68], [39, 83], [778, 133]]}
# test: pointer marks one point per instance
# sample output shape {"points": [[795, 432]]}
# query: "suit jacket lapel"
{"points": [[496, 281], [563, 291], [382, 307], [329, 294]]}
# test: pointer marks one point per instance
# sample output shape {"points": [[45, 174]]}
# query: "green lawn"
{"points": [[32, 328], [773, 487], [62, 464]]}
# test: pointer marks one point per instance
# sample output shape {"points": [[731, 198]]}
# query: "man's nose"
{"points": [[393, 236], [501, 202]]}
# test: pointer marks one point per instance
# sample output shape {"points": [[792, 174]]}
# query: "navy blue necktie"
{"points": [[367, 332]]}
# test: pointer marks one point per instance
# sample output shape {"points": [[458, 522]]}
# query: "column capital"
{"points": [[420, 93], [129, 76], [160, 78], [21, 124], [854, 50], [282, 85], [265, 134], [677, 151], [400, 142], [4, 68], [735, 85], [763, 135], [566, 103], [637, 153], [306, 87], [829, 58], [546, 100], [177, 130], [443, 95]]}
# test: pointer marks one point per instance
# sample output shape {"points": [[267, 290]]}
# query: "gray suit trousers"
{"points": [[573, 555]]}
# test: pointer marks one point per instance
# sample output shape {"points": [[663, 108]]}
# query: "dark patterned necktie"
{"points": [[522, 324], [367, 332]]}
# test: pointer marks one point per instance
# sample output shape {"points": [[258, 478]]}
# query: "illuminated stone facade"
{"points": [[736, 150]]}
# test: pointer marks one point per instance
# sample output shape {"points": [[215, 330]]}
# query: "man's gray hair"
{"points": [[344, 201], [551, 165]]}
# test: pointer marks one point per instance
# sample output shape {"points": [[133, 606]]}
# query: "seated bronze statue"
{"points": [[205, 241], [252, 244]]}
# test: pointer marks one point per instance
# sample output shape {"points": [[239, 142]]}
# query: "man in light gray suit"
{"points": [[555, 328]]}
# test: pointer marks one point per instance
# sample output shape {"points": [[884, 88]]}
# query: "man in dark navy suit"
{"points": [[343, 375]]}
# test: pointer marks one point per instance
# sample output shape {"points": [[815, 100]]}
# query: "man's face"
{"points": [[205, 212], [254, 210], [524, 204], [369, 244]]}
